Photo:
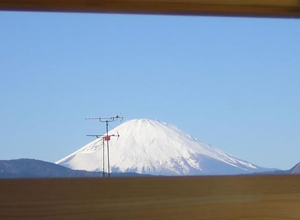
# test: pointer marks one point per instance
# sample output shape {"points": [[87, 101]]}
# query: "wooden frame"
{"points": [[157, 198], [256, 8], [221, 198]]}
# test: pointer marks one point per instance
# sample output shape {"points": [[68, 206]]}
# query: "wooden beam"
{"points": [[256, 8], [209, 198]]}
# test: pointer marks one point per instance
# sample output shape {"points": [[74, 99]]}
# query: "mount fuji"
{"points": [[153, 147]]}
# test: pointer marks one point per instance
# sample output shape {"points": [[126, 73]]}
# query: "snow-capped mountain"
{"points": [[152, 147]]}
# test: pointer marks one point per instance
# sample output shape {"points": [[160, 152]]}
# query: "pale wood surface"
{"points": [[263, 8], [209, 198]]}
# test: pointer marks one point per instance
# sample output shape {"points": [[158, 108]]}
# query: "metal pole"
{"points": [[108, 168], [103, 174], [107, 138], [107, 143]]}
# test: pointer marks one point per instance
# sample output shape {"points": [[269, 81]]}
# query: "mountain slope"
{"points": [[30, 168], [152, 147]]}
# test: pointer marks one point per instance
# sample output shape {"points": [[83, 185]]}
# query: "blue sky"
{"points": [[230, 82]]}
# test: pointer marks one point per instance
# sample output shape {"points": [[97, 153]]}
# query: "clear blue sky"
{"points": [[230, 82]]}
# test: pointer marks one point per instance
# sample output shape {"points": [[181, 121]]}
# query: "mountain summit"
{"points": [[153, 147]]}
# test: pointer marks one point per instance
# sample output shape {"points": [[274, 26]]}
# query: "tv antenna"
{"points": [[106, 138]]}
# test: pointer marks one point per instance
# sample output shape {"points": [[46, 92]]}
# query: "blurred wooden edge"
{"points": [[249, 8], [157, 198]]}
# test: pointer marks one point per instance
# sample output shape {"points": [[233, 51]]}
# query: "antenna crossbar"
{"points": [[106, 119]]}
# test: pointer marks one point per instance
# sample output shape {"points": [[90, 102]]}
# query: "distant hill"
{"points": [[31, 168], [295, 169], [272, 172]]}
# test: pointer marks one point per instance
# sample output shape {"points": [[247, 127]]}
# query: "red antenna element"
{"points": [[106, 138]]}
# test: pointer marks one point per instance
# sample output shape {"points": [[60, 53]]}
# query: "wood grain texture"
{"points": [[209, 198], [256, 8]]}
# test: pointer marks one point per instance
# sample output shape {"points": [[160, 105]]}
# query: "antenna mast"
{"points": [[106, 137]]}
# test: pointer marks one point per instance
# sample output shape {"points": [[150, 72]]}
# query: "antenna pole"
{"points": [[107, 138], [108, 166], [103, 174], [107, 144]]}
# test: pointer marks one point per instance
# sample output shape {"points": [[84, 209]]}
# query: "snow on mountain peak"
{"points": [[153, 147]]}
